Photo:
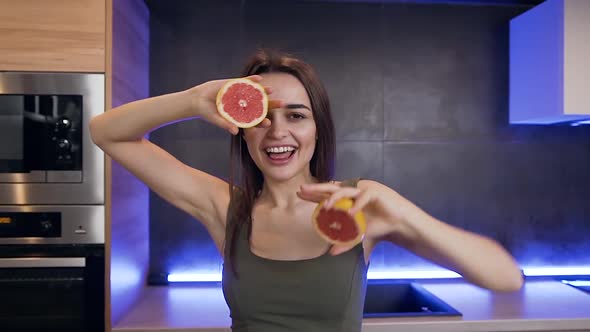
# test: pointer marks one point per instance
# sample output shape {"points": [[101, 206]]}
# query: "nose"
{"points": [[278, 129]]}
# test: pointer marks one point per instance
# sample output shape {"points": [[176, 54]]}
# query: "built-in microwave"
{"points": [[46, 153]]}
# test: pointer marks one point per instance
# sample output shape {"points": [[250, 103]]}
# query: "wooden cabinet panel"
{"points": [[128, 225], [56, 35]]}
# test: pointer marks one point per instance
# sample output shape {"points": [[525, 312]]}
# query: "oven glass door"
{"points": [[39, 133], [42, 294], [12, 128]]}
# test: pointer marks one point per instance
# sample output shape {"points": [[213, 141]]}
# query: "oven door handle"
{"points": [[30, 177], [41, 262]]}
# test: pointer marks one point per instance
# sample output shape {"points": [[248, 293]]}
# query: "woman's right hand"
{"points": [[203, 102]]}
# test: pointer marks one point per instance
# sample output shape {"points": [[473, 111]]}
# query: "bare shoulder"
{"points": [[360, 183], [371, 184]]}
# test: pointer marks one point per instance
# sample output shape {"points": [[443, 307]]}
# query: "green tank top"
{"points": [[324, 294]]}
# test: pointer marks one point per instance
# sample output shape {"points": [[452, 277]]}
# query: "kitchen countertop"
{"points": [[538, 306]]}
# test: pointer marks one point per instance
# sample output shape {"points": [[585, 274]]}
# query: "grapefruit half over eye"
{"points": [[242, 102]]}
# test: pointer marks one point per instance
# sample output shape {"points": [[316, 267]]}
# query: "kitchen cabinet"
{"points": [[100, 36], [549, 72], [56, 35]]}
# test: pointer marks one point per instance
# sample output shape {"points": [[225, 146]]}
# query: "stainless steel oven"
{"points": [[52, 268], [52, 213], [46, 153]]}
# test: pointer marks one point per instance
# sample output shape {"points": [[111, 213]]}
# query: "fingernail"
{"points": [[335, 252]]}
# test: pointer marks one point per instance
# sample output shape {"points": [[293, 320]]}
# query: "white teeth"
{"points": [[280, 149]]}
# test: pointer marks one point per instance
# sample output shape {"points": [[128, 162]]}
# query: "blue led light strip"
{"points": [[556, 271], [577, 283], [579, 123], [432, 274], [194, 277]]}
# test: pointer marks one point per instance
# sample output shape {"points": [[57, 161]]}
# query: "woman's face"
{"points": [[284, 150]]}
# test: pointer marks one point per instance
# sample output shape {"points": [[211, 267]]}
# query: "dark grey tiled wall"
{"points": [[420, 97]]}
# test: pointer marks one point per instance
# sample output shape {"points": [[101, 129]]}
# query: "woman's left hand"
{"points": [[383, 208], [393, 218]]}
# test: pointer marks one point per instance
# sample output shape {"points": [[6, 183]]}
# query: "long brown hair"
{"points": [[245, 191]]}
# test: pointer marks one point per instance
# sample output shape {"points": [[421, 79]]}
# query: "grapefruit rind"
{"points": [[343, 204], [225, 115]]}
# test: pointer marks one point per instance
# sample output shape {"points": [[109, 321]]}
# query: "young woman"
{"points": [[279, 275]]}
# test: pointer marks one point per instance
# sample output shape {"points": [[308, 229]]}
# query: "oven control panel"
{"points": [[30, 224], [52, 224]]}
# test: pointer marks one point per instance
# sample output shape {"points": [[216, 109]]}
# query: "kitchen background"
{"points": [[419, 93]]}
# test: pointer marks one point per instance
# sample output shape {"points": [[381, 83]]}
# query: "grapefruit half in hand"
{"points": [[242, 102], [337, 226]]}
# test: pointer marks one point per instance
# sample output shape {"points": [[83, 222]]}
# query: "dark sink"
{"points": [[392, 298], [580, 284]]}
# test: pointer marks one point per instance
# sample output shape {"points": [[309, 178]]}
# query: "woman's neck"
{"points": [[283, 194]]}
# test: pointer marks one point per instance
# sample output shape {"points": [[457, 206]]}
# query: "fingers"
{"points": [[234, 130], [254, 78], [275, 103], [264, 124], [361, 200], [346, 192], [317, 192], [337, 250], [313, 197], [323, 187], [219, 121], [330, 193]]}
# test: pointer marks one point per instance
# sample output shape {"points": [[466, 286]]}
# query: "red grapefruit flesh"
{"points": [[242, 102], [338, 227]]}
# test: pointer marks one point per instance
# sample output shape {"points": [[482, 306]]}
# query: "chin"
{"points": [[282, 171], [280, 175]]}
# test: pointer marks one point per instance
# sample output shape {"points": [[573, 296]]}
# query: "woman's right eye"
{"points": [[297, 116]]}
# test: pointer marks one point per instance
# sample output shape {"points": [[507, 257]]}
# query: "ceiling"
{"points": [[528, 3], [458, 2]]}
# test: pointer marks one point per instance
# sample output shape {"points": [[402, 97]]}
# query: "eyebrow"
{"points": [[293, 106]]}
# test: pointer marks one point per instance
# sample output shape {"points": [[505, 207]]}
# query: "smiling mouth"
{"points": [[280, 154]]}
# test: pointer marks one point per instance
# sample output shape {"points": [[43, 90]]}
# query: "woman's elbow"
{"points": [[510, 281], [96, 133]]}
